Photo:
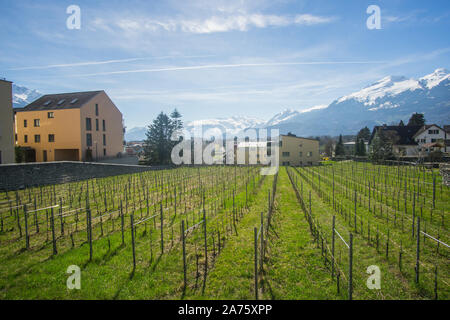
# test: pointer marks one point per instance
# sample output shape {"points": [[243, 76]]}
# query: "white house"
{"points": [[432, 137]]}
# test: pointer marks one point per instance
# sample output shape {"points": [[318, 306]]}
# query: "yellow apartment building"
{"points": [[297, 151], [293, 151], [79, 126], [6, 123]]}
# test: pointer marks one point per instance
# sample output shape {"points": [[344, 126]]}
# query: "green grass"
{"points": [[295, 266]]}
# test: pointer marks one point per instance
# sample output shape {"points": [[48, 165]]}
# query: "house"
{"points": [[293, 151], [298, 151], [349, 147], [79, 126], [432, 138], [404, 144], [6, 123]]}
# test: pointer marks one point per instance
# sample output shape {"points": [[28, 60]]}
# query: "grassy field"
{"points": [[98, 224]]}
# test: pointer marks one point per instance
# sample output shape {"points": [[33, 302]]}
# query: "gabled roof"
{"points": [[426, 127], [405, 133], [60, 101]]}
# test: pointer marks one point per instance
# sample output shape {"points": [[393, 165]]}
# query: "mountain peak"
{"points": [[23, 96], [434, 79]]}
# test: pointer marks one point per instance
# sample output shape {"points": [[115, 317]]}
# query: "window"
{"points": [[51, 138], [300, 154], [300, 145], [104, 152], [96, 124], [96, 109], [89, 140], [309, 154], [433, 131], [74, 101], [24, 123], [433, 140], [37, 138], [60, 102], [286, 163], [88, 124], [37, 122], [50, 115], [104, 125], [104, 139], [286, 154], [25, 138], [48, 103], [281, 143]]}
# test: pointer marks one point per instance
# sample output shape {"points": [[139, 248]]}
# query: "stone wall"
{"points": [[19, 176]]}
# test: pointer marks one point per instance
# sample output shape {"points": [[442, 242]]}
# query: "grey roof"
{"points": [[60, 101]]}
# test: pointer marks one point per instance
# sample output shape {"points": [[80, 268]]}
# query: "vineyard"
{"points": [[227, 232]]}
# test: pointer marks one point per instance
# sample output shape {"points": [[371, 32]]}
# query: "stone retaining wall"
{"points": [[19, 176]]}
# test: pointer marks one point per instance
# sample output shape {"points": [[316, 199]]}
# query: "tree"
{"points": [[339, 149], [401, 124], [19, 153], [382, 145], [360, 148], [364, 133], [417, 119], [158, 145], [176, 120], [329, 148]]}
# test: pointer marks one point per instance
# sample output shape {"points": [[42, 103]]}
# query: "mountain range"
{"points": [[23, 96], [387, 100]]}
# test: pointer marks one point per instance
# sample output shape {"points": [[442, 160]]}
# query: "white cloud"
{"points": [[308, 19], [236, 22]]}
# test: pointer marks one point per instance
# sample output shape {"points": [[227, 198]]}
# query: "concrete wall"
{"points": [[6, 123], [18, 176]]}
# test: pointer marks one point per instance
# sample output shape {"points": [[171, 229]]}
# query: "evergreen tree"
{"points": [[176, 119], [401, 124], [158, 145], [362, 148], [364, 133], [339, 149], [417, 119]]}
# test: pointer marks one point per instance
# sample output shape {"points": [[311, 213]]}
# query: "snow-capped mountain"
{"points": [[387, 100], [231, 125], [23, 96], [283, 117]]}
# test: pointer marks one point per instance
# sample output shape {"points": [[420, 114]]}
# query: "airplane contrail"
{"points": [[90, 63], [220, 66]]}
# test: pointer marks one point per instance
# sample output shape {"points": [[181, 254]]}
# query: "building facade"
{"points": [[6, 123], [297, 151], [433, 135], [80, 126]]}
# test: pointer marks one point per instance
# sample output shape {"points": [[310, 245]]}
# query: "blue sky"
{"points": [[219, 58]]}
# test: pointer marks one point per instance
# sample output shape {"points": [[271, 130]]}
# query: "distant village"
{"points": [[88, 127]]}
